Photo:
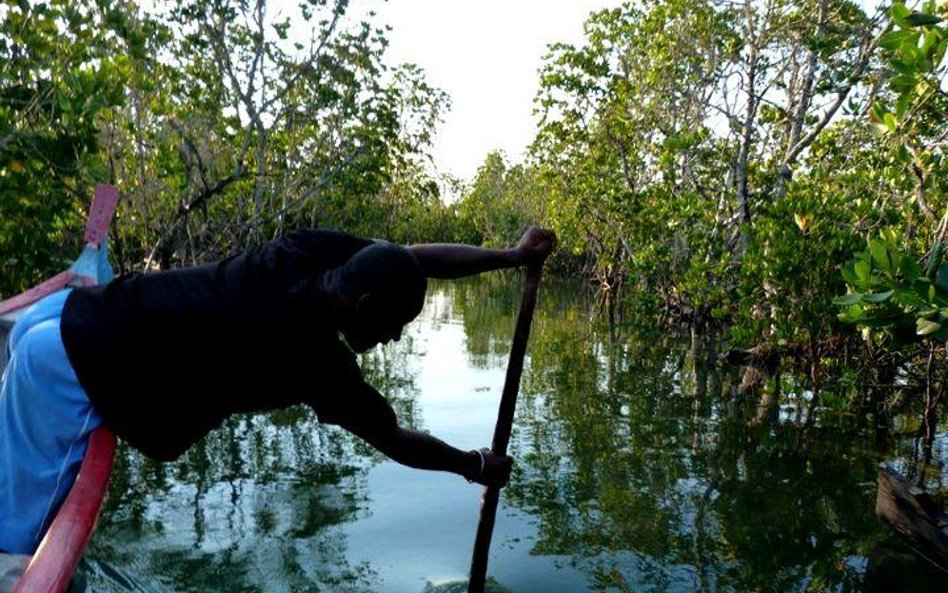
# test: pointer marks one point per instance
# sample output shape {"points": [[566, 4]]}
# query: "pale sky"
{"points": [[485, 55]]}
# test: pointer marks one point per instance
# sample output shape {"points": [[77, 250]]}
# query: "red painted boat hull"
{"points": [[56, 558], [52, 566]]}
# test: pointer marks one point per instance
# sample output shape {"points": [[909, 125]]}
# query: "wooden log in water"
{"points": [[914, 516]]}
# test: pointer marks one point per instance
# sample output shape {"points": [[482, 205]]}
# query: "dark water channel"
{"points": [[635, 472]]}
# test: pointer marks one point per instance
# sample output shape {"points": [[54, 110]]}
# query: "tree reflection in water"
{"points": [[637, 466]]}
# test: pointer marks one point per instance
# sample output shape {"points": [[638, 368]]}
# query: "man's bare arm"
{"points": [[449, 260], [423, 451]]}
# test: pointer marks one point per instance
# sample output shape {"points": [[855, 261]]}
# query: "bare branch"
{"points": [[859, 67], [192, 148], [167, 243]]}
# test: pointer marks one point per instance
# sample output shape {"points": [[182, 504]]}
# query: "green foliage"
{"points": [[916, 54], [225, 125], [625, 148], [790, 271], [222, 123], [261, 133], [676, 182], [891, 295], [500, 203], [63, 70]]}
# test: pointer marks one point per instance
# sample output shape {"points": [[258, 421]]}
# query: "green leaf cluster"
{"points": [[64, 70], [891, 294], [915, 51]]}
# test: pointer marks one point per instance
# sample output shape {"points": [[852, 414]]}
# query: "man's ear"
{"points": [[364, 303]]}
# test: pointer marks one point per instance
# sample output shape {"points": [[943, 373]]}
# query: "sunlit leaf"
{"points": [[878, 111], [926, 326], [900, 14], [863, 270], [894, 39], [890, 123], [802, 219], [880, 255]]}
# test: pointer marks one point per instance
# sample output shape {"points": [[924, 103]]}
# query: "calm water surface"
{"points": [[637, 470]]}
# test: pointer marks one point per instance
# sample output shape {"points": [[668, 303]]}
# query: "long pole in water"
{"points": [[508, 404]]}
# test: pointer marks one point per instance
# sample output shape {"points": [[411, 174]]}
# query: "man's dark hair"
{"points": [[389, 272]]}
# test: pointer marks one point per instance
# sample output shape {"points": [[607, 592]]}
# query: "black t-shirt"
{"points": [[166, 357]]}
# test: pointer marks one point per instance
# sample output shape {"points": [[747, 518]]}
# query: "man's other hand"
{"points": [[495, 470], [535, 245]]}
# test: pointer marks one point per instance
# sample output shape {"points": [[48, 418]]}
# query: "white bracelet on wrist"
{"points": [[480, 474]]}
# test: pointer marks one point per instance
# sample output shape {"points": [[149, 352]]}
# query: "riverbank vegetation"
{"points": [[772, 169]]}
